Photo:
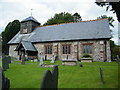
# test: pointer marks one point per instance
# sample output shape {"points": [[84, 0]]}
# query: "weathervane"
{"points": [[31, 11]]}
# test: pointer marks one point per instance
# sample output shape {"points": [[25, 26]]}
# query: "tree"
{"points": [[11, 29], [77, 17], [63, 18], [115, 50], [115, 7], [110, 19]]}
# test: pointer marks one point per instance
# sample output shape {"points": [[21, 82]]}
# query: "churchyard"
{"points": [[29, 75]]}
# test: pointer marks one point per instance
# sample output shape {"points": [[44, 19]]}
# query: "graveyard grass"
{"points": [[88, 76]]}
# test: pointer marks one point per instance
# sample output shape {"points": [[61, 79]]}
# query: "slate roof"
{"points": [[28, 46], [98, 29], [30, 19]]}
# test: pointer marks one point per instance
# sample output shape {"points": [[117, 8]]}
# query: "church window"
{"points": [[66, 49], [87, 48], [48, 49]]}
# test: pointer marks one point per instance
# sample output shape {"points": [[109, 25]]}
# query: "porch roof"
{"points": [[28, 46]]}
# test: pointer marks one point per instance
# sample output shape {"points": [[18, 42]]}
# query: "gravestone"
{"points": [[101, 76], [53, 59], [5, 62], [50, 80], [55, 76], [41, 59], [5, 82], [0, 78], [23, 59]]}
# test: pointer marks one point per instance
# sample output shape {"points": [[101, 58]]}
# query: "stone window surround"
{"points": [[62, 49], [50, 45], [82, 44]]}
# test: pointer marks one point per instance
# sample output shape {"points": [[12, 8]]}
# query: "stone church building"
{"points": [[67, 41]]}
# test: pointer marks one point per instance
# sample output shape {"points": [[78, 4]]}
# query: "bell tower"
{"points": [[28, 25]]}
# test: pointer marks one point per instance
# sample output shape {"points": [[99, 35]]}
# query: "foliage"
{"points": [[115, 7], [85, 55], [23, 76], [115, 50], [11, 29], [110, 19], [63, 17]]}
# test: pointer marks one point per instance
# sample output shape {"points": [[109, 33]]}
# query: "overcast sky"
{"points": [[45, 9]]}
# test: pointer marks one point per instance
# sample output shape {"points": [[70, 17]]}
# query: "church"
{"points": [[66, 41]]}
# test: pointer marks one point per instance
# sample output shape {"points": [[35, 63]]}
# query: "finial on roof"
{"points": [[31, 11]]}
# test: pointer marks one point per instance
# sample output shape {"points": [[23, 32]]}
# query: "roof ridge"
{"points": [[73, 22]]}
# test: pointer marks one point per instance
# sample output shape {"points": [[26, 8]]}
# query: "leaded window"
{"points": [[48, 49], [66, 49], [87, 48]]}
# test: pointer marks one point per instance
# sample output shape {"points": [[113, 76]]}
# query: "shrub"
{"points": [[86, 56]]}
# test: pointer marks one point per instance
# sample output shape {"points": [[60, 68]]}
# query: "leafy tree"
{"points": [[115, 50], [11, 29], [63, 18], [110, 19], [77, 17], [115, 7]]}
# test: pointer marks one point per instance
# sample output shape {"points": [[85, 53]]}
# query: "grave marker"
{"points": [[0, 78], [5, 62], [5, 82], [41, 59], [50, 80], [101, 76]]}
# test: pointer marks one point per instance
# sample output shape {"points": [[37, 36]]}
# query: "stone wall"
{"points": [[101, 50], [12, 51]]}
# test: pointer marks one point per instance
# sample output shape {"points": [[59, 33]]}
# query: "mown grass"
{"points": [[88, 76]]}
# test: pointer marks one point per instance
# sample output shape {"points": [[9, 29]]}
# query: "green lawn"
{"points": [[30, 75]]}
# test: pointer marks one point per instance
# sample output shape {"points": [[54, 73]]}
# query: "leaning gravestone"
{"points": [[5, 62], [50, 80]]}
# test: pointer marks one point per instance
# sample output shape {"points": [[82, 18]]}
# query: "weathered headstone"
{"points": [[53, 59], [50, 80], [5, 82], [101, 76], [41, 59], [5, 62], [55, 76], [0, 78], [23, 59], [47, 80]]}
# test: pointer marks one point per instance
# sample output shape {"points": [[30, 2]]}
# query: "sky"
{"points": [[42, 10]]}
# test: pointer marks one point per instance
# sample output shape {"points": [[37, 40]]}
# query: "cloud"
{"points": [[45, 9]]}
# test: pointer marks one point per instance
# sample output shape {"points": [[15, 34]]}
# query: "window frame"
{"points": [[46, 48], [88, 46], [65, 51]]}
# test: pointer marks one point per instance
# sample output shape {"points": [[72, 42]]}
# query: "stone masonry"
{"points": [[101, 50]]}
